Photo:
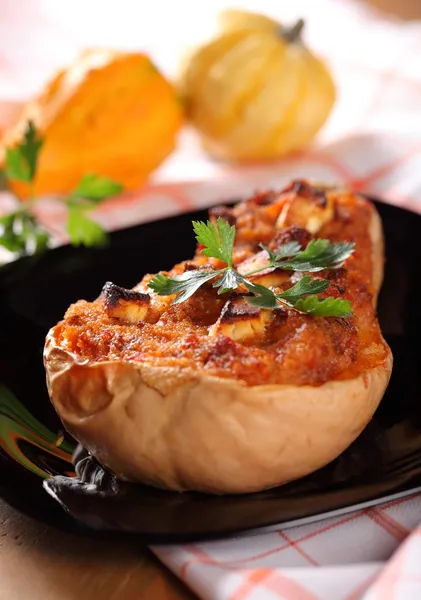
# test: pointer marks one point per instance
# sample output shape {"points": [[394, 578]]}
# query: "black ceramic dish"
{"points": [[34, 294]]}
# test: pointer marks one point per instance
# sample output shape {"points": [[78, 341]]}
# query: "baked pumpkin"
{"points": [[109, 113], [217, 395]]}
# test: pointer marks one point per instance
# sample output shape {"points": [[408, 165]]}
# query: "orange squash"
{"points": [[109, 113]]}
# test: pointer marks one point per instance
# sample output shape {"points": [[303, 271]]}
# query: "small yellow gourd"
{"points": [[256, 92]]}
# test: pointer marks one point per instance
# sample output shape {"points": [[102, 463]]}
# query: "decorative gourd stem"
{"points": [[292, 34]]}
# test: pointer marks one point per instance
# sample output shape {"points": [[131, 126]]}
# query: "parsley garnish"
{"points": [[218, 242], [91, 191], [327, 307], [84, 231], [95, 189], [184, 285], [21, 162], [19, 230], [319, 255], [20, 233]]}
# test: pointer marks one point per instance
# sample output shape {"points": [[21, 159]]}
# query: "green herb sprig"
{"points": [[218, 242], [20, 231]]}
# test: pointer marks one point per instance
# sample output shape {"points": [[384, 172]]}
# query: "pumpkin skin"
{"points": [[255, 92], [109, 113]]}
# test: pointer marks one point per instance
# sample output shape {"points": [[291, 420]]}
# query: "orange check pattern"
{"points": [[370, 554], [372, 143]]}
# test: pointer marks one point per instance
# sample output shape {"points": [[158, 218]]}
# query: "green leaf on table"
{"points": [[96, 188], [91, 190], [21, 161], [84, 231], [21, 234]]}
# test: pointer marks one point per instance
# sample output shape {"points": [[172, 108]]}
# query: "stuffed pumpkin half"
{"points": [[253, 364]]}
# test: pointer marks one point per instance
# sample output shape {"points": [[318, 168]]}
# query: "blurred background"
{"points": [[38, 36], [236, 103]]}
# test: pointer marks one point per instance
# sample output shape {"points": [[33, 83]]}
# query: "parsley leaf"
{"points": [[305, 287], [3, 179], [16, 166], [21, 234], [327, 307], [230, 280], [19, 230], [284, 251], [21, 162], [185, 285], [96, 188], [264, 297], [91, 190], [218, 241], [319, 255], [84, 231]]}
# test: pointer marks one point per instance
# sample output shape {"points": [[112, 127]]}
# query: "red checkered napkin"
{"points": [[372, 143]]}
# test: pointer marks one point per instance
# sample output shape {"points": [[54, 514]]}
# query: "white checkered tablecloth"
{"points": [[340, 558], [372, 143]]}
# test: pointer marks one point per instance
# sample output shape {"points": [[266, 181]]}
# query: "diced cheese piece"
{"points": [[310, 213], [254, 262], [240, 321], [269, 277], [272, 279], [127, 305]]}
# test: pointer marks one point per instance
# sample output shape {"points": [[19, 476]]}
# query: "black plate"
{"points": [[386, 459]]}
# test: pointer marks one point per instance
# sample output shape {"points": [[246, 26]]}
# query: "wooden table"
{"points": [[40, 563], [406, 9]]}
